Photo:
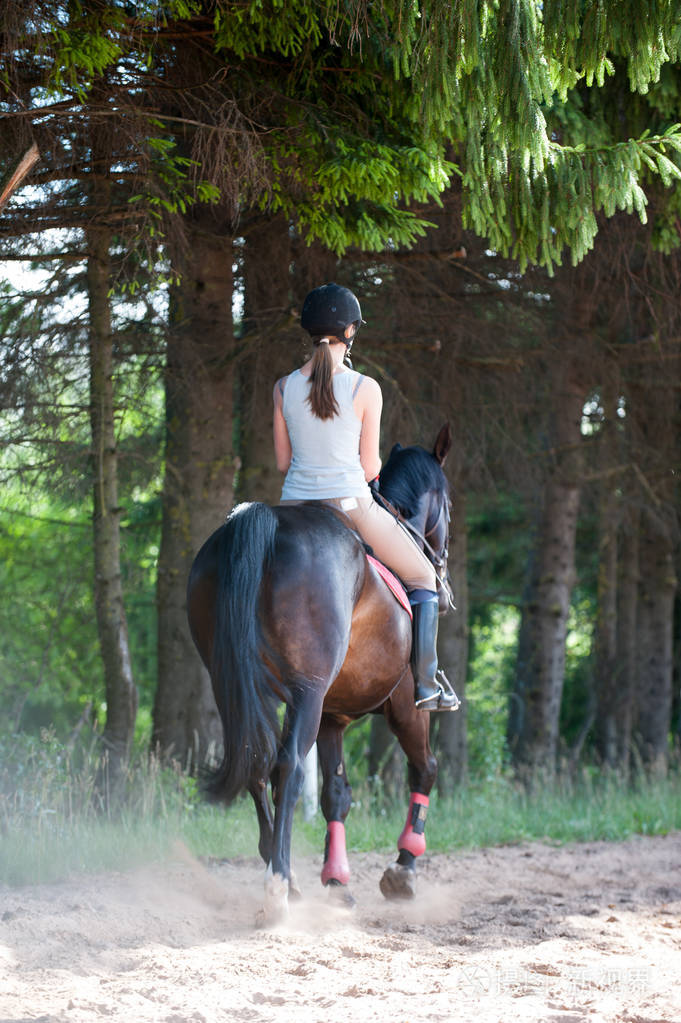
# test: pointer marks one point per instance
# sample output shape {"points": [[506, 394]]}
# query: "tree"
{"points": [[656, 415], [199, 475], [277, 269], [611, 702], [269, 346], [121, 692], [69, 419], [637, 456], [534, 715]]}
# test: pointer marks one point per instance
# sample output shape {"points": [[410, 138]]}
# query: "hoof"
{"points": [[294, 891], [275, 906], [340, 894], [398, 882]]}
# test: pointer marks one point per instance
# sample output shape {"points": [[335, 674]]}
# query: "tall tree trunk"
{"points": [[657, 589], [199, 476], [607, 681], [277, 274], [273, 339], [540, 669], [627, 629], [676, 669], [121, 693], [451, 739], [656, 424], [608, 721], [278, 271]]}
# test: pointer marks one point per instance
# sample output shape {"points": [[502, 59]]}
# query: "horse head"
{"points": [[414, 482]]}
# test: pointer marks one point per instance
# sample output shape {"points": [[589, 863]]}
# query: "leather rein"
{"points": [[439, 561]]}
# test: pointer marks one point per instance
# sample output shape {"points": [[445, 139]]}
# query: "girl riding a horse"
{"points": [[326, 438]]}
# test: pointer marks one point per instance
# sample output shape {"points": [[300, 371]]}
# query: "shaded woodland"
{"points": [[194, 182]]}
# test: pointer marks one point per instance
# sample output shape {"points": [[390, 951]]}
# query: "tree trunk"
{"points": [[627, 617], [605, 640], [608, 720], [656, 427], [655, 641], [121, 694], [540, 669], [199, 476], [450, 739], [278, 271], [273, 339]]}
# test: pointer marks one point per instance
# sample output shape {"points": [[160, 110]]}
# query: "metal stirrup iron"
{"points": [[444, 688]]}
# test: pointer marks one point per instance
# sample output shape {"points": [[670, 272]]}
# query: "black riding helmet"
{"points": [[329, 310]]}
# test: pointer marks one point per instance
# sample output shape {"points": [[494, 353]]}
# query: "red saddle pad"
{"points": [[393, 583]]}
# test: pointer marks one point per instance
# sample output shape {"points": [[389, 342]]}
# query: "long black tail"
{"points": [[244, 683]]}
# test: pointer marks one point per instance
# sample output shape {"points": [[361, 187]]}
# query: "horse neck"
{"points": [[427, 513]]}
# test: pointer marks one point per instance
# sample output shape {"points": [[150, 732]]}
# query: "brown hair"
{"points": [[321, 398]]}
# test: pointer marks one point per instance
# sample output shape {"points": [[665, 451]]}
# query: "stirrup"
{"points": [[442, 697]]}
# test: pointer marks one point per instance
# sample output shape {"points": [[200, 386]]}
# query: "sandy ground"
{"points": [[564, 934]]}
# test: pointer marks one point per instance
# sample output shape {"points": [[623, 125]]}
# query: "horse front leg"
{"points": [[335, 802], [412, 729], [302, 722]]}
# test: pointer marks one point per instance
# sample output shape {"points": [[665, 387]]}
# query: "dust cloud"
{"points": [[530, 933]]}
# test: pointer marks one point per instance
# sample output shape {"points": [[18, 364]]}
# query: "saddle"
{"points": [[392, 582]]}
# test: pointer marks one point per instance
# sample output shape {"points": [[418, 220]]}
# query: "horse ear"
{"points": [[395, 448], [443, 443]]}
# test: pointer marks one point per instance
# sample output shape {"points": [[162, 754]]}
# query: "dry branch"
{"points": [[11, 181]]}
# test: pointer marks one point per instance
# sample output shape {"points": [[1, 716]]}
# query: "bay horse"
{"points": [[284, 606]]}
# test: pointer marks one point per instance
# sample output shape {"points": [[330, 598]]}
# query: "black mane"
{"points": [[407, 475]]}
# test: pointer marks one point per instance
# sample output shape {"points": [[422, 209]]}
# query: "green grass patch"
{"points": [[53, 827]]}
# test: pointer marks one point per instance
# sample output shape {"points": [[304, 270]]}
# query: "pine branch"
{"points": [[37, 257]]}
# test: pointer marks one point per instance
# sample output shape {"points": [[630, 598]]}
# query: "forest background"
{"points": [[498, 183]]}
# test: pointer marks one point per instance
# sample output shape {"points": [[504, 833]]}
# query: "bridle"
{"points": [[438, 560]]}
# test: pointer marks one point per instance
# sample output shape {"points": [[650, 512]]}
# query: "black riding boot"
{"points": [[431, 692]]}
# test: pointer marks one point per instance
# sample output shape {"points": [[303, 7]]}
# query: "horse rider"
{"points": [[327, 421]]}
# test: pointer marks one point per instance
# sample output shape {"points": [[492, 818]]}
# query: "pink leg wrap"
{"points": [[413, 838], [336, 866]]}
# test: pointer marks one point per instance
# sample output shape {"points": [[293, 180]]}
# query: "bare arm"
{"points": [[368, 406], [282, 441]]}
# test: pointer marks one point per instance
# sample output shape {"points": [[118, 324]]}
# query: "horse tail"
{"points": [[241, 679]]}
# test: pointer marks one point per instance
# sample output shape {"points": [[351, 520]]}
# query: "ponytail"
{"points": [[321, 398]]}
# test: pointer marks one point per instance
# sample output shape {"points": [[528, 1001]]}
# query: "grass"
{"points": [[51, 827]]}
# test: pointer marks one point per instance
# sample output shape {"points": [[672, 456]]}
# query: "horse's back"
{"points": [[313, 584]]}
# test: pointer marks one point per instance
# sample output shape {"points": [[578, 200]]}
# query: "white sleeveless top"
{"points": [[325, 452]]}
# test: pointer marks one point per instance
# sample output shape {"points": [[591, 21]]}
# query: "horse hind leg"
{"points": [[275, 896], [335, 802], [411, 727], [399, 879], [302, 722], [258, 790]]}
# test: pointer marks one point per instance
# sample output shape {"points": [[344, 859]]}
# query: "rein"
{"points": [[439, 561]]}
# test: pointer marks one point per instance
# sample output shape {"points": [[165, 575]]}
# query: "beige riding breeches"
{"points": [[389, 541]]}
